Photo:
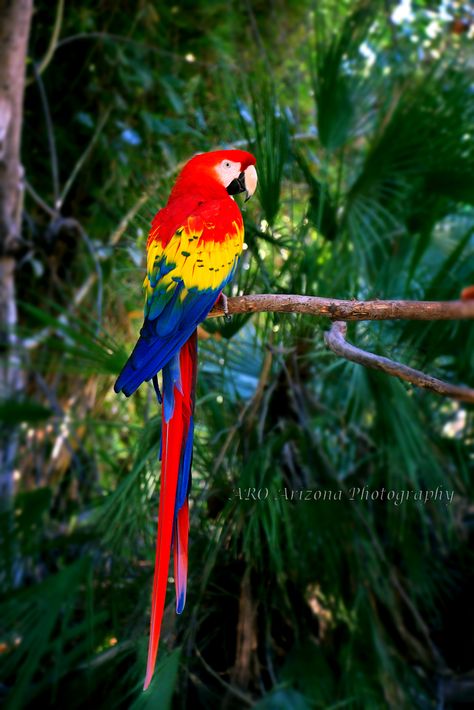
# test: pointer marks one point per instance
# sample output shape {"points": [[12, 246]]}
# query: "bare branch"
{"points": [[50, 133], [83, 290], [39, 200], [133, 42], [249, 409], [82, 159], [335, 340], [52, 43], [231, 688], [337, 309], [364, 310]]}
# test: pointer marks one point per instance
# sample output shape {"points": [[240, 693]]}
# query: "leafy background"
{"points": [[361, 116]]}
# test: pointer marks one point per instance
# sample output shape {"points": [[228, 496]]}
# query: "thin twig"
{"points": [[53, 43], [336, 341], [230, 688], [82, 159], [249, 407], [83, 290], [419, 621], [50, 132], [303, 136], [98, 272], [128, 40], [117, 234], [257, 36], [62, 436], [338, 309], [262, 383], [39, 200]]}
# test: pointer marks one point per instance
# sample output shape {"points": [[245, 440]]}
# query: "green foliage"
{"points": [[269, 140], [160, 692], [335, 84], [362, 129], [44, 627], [14, 411], [281, 699]]}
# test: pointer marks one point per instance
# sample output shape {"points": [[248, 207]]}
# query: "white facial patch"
{"points": [[227, 170]]}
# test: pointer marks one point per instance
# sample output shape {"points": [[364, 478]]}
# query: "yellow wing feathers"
{"points": [[193, 257]]}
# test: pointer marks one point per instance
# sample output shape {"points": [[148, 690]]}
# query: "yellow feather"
{"points": [[200, 263]]}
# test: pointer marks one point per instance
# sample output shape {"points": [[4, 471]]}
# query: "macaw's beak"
{"points": [[246, 182]]}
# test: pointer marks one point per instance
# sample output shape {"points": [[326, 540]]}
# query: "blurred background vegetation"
{"points": [[361, 118]]}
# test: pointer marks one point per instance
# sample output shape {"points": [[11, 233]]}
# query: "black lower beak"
{"points": [[237, 185]]}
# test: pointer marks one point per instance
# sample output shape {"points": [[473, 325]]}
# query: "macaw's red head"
{"points": [[209, 175]]}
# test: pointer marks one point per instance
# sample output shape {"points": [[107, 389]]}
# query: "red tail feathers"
{"points": [[173, 516]]}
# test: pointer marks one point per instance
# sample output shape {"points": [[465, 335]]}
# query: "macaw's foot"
{"points": [[223, 303]]}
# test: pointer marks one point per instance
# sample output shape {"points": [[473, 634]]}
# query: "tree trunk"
{"points": [[15, 19]]}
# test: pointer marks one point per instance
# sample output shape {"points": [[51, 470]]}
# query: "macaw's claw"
{"points": [[225, 308]]}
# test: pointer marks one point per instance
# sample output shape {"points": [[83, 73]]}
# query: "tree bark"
{"points": [[15, 19], [336, 341], [337, 309]]}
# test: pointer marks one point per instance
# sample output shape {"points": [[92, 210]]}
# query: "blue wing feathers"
{"points": [[160, 269], [154, 348], [171, 315]]}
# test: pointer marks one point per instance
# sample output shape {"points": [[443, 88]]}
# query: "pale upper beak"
{"points": [[250, 181]]}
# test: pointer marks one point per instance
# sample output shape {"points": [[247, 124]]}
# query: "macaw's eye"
{"points": [[226, 164]]}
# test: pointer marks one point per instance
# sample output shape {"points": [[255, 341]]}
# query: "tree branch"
{"points": [[52, 43], [15, 19], [336, 341], [337, 309], [53, 154]]}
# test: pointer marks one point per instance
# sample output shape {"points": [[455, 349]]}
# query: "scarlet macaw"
{"points": [[192, 253]]}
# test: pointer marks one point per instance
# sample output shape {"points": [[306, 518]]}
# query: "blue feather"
{"points": [[171, 379], [185, 468], [171, 315], [154, 349], [180, 602], [160, 269]]}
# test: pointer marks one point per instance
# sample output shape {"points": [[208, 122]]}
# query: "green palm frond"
{"points": [[31, 619]]}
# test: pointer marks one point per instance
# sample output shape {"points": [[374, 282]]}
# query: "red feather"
{"points": [[174, 437]]}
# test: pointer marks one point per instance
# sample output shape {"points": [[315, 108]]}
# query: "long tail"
{"points": [[179, 384]]}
